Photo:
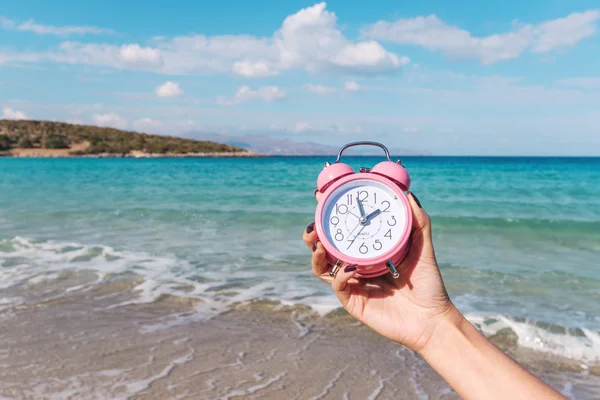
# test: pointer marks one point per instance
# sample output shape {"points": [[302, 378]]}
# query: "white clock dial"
{"points": [[364, 218]]}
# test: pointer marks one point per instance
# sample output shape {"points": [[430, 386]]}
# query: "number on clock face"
{"points": [[364, 218]]}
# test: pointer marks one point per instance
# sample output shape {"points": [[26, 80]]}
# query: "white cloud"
{"points": [[317, 127], [62, 30], [186, 125], [31, 26], [351, 86], [6, 23], [565, 32], [308, 40], [449, 89], [146, 124], [583, 82], [351, 129], [244, 93], [9, 113], [410, 129], [249, 69], [134, 54], [432, 33], [169, 89], [11, 57], [319, 89], [111, 120], [128, 56], [367, 55], [301, 127], [311, 40]]}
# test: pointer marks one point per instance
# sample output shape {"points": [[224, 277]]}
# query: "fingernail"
{"points": [[310, 227], [315, 246], [350, 268], [416, 200], [315, 192]]}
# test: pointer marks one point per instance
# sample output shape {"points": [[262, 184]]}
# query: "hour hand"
{"points": [[373, 215], [363, 217]]}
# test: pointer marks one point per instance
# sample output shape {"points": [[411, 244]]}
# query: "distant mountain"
{"points": [[267, 145]]}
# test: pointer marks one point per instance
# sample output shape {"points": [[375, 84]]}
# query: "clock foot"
{"points": [[392, 269], [335, 269]]}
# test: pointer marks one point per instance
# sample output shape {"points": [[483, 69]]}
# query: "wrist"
{"points": [[443, 328], [474, 367]]}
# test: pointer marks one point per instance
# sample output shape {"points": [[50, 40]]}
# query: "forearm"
{"points": [[476, 368]]}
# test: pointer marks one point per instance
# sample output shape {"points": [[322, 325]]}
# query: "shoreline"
{"points": [[84, 334], [118, 348], [61, 154]]}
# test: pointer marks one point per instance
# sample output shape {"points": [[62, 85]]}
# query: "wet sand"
{"points": [[87, 346]]}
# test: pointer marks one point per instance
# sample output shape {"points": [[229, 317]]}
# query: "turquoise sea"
{"points": [[518, 239]]}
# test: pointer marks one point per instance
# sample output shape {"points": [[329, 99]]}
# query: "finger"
{"points": [[340, 284], [421, 220], [310, 235], [421, 244], [318, 195], [319, 260]]}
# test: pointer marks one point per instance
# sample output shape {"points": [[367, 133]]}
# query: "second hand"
{"points": [[361, 229]]}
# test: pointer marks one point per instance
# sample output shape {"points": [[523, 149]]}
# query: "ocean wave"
{"points": [[472, 220], [578, 344], [29, 264]]}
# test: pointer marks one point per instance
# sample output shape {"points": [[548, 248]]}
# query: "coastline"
{"points": [[65, 153]]}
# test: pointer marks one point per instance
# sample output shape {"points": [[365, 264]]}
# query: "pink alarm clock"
{"points": [[364, 217]]}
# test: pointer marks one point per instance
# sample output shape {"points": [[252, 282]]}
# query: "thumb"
{"points": [[340, 284]]}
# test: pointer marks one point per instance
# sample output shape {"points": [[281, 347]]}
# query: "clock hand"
{"points": [[357, 225], [350, 234], [351, 213], [373, 215], [363, 218], [361, 229]]}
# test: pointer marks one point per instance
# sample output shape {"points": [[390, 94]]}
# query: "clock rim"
{"points": [[392, 254]]}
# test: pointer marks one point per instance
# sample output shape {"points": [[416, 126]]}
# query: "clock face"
{"points": [[364, 218]]}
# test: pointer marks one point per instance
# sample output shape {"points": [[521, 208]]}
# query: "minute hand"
{"points": [[373, 215], [363, 217]]}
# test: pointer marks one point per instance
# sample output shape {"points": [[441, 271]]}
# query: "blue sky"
{"points": [[465, 77]]}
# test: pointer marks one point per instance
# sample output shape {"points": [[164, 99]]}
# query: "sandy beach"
{"points": [[98, 343]]}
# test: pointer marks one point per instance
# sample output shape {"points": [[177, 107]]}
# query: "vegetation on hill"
{"points": [[96, 140]]}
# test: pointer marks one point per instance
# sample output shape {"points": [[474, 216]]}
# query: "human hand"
{"points": [[415, 310], [405, 310]]}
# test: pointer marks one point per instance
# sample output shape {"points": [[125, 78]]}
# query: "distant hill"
{"points": [[55, 139], [269, 145]]}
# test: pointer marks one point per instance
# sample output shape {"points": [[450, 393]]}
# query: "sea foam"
{"points": [[30, 263]]}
